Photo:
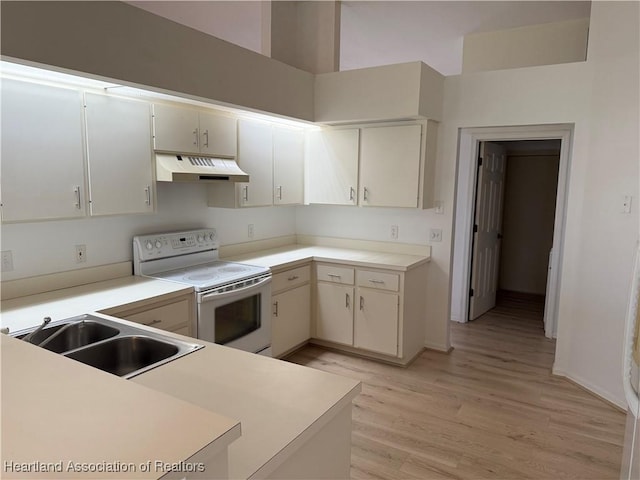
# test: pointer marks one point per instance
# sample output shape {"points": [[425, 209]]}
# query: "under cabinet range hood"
{"points": [[197, 168]]}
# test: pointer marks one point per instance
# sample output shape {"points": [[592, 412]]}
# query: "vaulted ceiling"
{"points": [[380, 32]]}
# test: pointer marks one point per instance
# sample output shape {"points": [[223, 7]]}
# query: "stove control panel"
{"points": [[165, 245]]}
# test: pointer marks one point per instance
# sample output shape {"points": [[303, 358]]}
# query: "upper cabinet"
{"points": [[119, 154], [332, 167], [390, 166], [288, 166], [186, 130], [372, 166], [43, 169], [273, 156]]}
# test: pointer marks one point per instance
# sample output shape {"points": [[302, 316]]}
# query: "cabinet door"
{"points": [[175, 129], [334, 318], [43, 173], [172, 317], [376, 322], [390, 166], [332, 167], [255, 157], [120, 155], [290, 323], [218, 135], [288, 166]]}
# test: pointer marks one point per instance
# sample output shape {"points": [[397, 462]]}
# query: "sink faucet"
{"points": [[45, 321]]}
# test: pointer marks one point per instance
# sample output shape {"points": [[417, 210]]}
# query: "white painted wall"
{"points": [[601, 98], [546, 44], [527, 222], [47, 247]]}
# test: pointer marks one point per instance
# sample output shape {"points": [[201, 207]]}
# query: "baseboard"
{"points": [[70, 278], [369, 245], [591, 389], [438, 347]]}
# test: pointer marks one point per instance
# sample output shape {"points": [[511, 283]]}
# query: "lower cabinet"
{"points": [[174, 315], [374, 312], [291, 310]]}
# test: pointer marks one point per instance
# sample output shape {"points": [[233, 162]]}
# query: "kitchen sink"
{"points": [[114, 347], [75, 335], [124, 355]]}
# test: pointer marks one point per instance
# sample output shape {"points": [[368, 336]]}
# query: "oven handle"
{"points": [[217, 295]]}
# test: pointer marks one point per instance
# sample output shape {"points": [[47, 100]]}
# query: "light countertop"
{"points": [[58, 410], [25, 312], [282, 258]]}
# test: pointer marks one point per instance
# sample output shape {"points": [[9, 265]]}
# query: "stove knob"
{"points": [[158, 244], [201, 238], [149, 245], [212, 236]]}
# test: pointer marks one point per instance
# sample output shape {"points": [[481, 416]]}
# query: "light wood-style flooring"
{"points": [[489, 409]]}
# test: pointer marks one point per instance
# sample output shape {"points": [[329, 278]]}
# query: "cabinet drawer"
{"points": [[173, 316], [379, 280], [290, 278], [332, 273]]}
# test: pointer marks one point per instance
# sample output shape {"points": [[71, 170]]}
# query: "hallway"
{"points": [[489, 409]]}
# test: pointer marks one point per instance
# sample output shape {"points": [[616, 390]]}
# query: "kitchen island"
{"points": [[295, 421]]}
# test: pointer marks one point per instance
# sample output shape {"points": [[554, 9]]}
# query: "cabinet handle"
{"points": [[195, 137], [352, 193], [206, 138], [377, 281], [366, 194], [275, 309], [152, 322], [292, 278], [147, 191], [280, 192], [333, 275], [245, 193], [347, 300], [361, 303], [76, 191]]}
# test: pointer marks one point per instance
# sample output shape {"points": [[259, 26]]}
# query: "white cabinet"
{"points": [[288, 166], [291, 310], [185, 130], [332, 167], [43, 168], [390, 166], [273, 156], [119, 155], [374, 312], [173, 315]]}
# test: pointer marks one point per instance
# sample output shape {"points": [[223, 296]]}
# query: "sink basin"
{"points": [[110, 345], [79, 334], [123, 355]]}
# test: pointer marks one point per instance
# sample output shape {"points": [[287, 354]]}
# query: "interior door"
{"points": [[485, 261]]}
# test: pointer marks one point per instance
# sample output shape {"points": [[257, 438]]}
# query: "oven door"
{"points": [[238, 318]]}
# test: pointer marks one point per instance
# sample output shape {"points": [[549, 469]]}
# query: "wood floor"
{"points": [[489, 409]]}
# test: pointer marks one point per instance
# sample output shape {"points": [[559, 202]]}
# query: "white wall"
{"points": [[600, 97], [46, 247], [527, 222]]}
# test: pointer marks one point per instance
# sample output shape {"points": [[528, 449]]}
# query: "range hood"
{"points": [[197, 168]]}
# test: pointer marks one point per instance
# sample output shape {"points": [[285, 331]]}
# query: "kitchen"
{"points": [[566, 99]]}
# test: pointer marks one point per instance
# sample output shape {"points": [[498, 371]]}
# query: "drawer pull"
{"points": [[361, 303], [292, 278], [152, 322], [333, 275], [377, 282]]}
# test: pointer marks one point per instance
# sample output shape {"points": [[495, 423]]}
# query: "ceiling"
{"points": [[377, 33]]}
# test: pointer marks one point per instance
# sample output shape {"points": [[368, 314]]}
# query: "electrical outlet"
{"points": [[394, 232], [435, 235], [250, 230], [81, 253], [7, 261]]}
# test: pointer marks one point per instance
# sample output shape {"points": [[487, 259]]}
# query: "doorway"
{"points": [[470, 143], [512, 237]]}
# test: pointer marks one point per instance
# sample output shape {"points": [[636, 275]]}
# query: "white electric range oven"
{"points": [[232, 299]]}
